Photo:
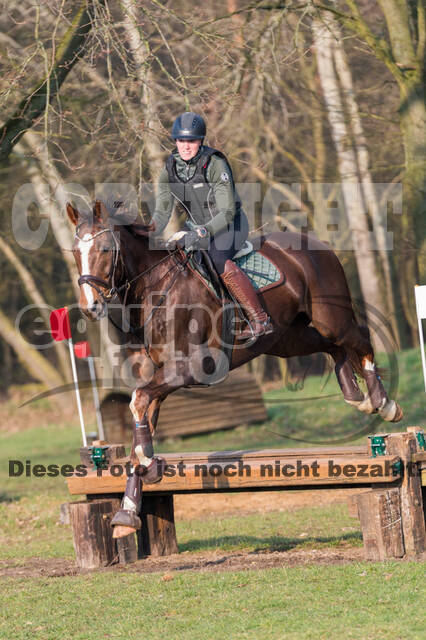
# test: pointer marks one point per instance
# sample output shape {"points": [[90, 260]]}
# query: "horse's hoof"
{"points": [[154, 471], [124, 518], [121, 532], [391, 411], [399, 414]]}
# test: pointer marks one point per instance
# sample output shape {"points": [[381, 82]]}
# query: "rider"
{"points": [[200, 179]]}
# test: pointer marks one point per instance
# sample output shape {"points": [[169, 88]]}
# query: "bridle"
{"points": [[109, 285], [94, 281]]}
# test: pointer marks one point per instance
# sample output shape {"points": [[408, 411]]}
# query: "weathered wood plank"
{"points": [[235, 472], [380, 517], [92, 532], [157, 536], [127, 549], [404, 445]]}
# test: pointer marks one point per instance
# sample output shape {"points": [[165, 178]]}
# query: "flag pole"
{"points": [[101, 433], [61, 330], [77, 391]]}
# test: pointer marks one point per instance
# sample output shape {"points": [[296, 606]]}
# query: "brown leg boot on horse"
{"points": [[242, 290]]}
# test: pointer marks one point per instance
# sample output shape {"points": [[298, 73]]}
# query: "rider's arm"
{"points": [[219, 177], [163, 204]]}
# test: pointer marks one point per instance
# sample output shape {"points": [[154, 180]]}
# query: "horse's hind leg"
{"points": [[299, 341], [345, 375], [356, 342]]}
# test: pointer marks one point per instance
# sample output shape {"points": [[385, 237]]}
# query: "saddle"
{"points": [[261, 270]]}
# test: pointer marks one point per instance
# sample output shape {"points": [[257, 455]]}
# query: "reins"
{"points": [[112, 290]]}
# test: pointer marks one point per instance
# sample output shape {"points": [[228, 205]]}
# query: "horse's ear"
{"points": [[100, 211], [72, 213]]}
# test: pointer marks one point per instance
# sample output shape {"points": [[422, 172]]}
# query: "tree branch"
{"points": [[357, 25], [70, 50]]}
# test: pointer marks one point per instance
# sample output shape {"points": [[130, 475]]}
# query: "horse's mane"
{"points": [[119, 216], [139, 229]]}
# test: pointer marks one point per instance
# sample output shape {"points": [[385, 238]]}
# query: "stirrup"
{"points": [[263, 328]]}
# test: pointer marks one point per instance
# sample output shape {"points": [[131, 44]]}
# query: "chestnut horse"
{"points": [[175, 320]]}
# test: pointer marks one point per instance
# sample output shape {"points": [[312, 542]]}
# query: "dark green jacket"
{"points": [[218, 175]]}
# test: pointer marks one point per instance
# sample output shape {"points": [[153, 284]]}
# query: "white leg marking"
{"points": [[85, 246], [369, 365], [128, 504], [132, 406], [143, 459], [388, 410]]}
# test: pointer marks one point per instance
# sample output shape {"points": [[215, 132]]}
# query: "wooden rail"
{"points": [[249, 470]]}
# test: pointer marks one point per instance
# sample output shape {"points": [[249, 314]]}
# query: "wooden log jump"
{"points": [[391, 514]]}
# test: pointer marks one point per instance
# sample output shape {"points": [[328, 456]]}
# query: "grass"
{"points": [[359, 600], [299, 529], [352, 601]]}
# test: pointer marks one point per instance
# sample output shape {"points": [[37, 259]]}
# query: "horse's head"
{"points": [[96, 251]]}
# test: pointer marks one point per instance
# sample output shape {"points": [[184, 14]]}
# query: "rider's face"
{"points": [[187, 148]]}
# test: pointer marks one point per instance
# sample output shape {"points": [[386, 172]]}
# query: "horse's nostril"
{"points": [[96, 309]]}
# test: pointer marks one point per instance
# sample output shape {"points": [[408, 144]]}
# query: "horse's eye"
{"points": [[105, 250]]}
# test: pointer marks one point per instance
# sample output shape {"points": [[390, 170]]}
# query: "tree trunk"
{"points": [[405, 59], [349, 175], [54, 201], [408, 36], [362, 155], [43, 178]]}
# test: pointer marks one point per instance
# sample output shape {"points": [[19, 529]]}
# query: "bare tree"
{"points": [[349, 173], [67, 53], [404, 57]]}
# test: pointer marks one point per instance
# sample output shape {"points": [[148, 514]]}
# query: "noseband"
{"points": [[94, 281]]}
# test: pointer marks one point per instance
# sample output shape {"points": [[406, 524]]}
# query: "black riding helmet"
{"points": [[189, 126]]}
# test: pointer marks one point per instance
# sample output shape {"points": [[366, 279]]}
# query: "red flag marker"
{"points": [[82, 349], [60, 324], [61, 330]]}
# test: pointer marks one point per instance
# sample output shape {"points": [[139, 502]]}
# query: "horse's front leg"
{"points": [[145, 467], [145, 412]]}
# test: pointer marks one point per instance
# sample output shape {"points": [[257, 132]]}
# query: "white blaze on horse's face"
{"points": [[84, 246]]}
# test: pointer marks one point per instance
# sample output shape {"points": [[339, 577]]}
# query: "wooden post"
{"points": [[158, 534], [127, 549], [380, 517], [421, 456], [404, 445], [91, 524]]}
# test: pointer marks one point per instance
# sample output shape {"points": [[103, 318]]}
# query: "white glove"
{"points": [[171, 242]]}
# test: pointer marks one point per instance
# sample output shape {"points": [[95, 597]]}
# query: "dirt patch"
{"points": [[187, 561], [188, 507], [241, 561], [200, 562], [40, 568]]}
